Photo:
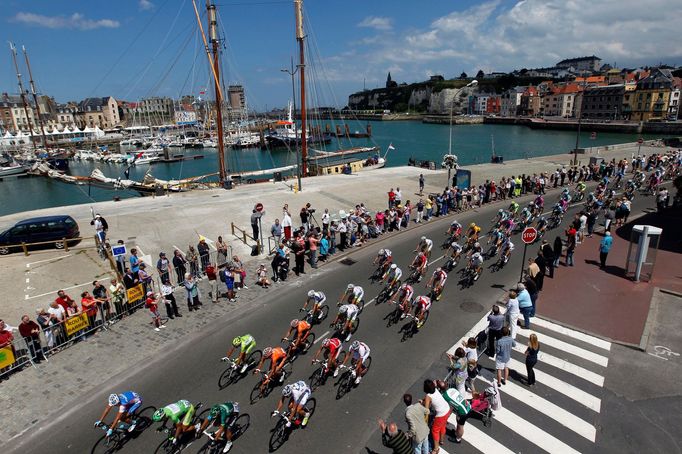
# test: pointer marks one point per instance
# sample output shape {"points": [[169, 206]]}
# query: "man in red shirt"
{"points": [[6, 336], [63, 299], [391, 198], [89, 305], [212, 281]]}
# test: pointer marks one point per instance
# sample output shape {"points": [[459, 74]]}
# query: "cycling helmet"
{"points": [[454, 244], [236, 341], [267, 352], [439, 269], [500, 211], [382, 252], [113, 400], [472, 225], [311, 294], [423, 238], [394, 266], [421, 254], [287, 390], [294, 323], [477, 244], [342, 309], [326, 342], [215, 410], [158, 415], [350, 286], [542, 218], [355, 345]]}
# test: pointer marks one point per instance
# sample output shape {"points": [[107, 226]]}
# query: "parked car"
{"points": [[49, 230]]}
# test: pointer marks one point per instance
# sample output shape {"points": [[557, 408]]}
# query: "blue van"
{"points": [[51, 229]]}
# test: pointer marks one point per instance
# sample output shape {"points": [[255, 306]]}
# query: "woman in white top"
{"points": [[438, 405]]}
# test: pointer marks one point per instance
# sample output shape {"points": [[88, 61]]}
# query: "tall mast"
{"points": [[300, 36], [450, 142], [35, 96], [23, 95], [215, 49]]}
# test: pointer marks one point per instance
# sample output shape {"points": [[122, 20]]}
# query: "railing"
{"points": [[64, 242], [243, 236]]}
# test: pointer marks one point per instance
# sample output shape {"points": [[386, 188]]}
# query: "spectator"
{"points": [[169, 300], [212, 282], [286, 222], [532, 358], [193, 259], [416, 416], [313, 242], [398, 196], [525, 305], [145, 278], [120, 259], [63, 299], [391, 198], [458, 365], [503, 356], [221, 253], [591, 222], [101, 227], [192, 289], [324, 246], [571, 240], [228, 277], [179, 263], [130, 279], [298, 247], [6, 338], [343, 232], [435, 402], [255, 217], [513, 312], [276, 231], [163, 266], [152, 304], [542, 266], [101, 295], [471, 352], [262, 274], [547, 258], [43, 319], [420, 211], [421, 184], [533, 292], [604, 248], [394, 438], [239, 270], [558, 250], [117, 292], [89, 306], [325, 221], [495, 324], [458, 402], [204, 253], [278, 259], [135, 261], [30, 331], [304, 214]]}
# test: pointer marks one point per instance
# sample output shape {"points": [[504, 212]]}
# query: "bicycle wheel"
{"points": [[321, 314], [361, 305], [254, 359], [144, 419], [317, 378], [226, 378], [309, 342], [108, 445], [279, 436], [166, 447], [345, 384], [240, 426], [369, 364], [310, 408], [256, 393]]}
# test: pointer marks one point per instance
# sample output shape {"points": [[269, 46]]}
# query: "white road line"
{"points": [[480, 440], [573, 333], [55, 291], [565, 366], [580, 396], [27, 280], [532, 433], [568, 348], [563, 417], [321, 337], [28, 265]]}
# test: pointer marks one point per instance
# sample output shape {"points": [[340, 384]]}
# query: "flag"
{"points": [[391, 147]]}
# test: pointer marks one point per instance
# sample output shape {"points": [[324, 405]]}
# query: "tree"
{"points": [[463, 75], [480, 74]]}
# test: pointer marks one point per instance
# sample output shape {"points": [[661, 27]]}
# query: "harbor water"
{"points": [[411, 139]]}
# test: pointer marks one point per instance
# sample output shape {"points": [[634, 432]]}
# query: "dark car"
{"points": [[50, 230]]}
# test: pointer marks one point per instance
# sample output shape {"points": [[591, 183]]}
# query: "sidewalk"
{"points": [[605, 303]]}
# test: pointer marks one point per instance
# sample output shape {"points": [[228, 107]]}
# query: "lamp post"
{"points": [[292, 72], [580, 119]]}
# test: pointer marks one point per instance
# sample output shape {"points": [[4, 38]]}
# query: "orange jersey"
{"points": [[302, 326], [277, 354]]}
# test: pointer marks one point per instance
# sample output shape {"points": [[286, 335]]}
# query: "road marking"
{"points": [[565, 366], [563, 417], [479, 440], [592, 340], [321, 337], [55, 291], [27, 280], [569, 348], [580, 396], [28, 265]]}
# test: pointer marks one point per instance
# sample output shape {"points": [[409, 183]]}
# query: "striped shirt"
{"points": [[398, 442]]}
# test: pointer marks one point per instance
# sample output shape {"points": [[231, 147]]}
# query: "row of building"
{"points": [[107, 112], [640, 95]]}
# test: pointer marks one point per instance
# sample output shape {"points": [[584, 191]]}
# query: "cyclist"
{"points": [[384, 258], [332, 348], [526, 215], [302, 329], [277, 357], [127, 402], [419, 264], [298, 394], [473, 231], [353, 293], [539, 202], [507, 248], [513, 208], [225, 416], [566, 195], [476, 262], [180, 413], [476, 247], [246, 343], [404, 298], [347, 313], [392, 275], [422, 304], [359, 352], [500, 217], [455, 230], [437, 282], [541, 225], [455, 250], [317, 298], [580, 188], [425, 245]]}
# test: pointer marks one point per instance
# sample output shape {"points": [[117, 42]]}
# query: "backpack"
{"points": [[221, 275]]}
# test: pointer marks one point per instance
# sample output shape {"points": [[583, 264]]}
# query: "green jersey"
{"points": [[457, 401], [176, 411], [224, 411], [247, 343]]}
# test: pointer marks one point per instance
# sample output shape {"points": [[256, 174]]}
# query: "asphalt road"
{"points": [[191, 370]]}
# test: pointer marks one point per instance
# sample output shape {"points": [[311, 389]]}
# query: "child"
{"points": [[153, 306], [263, 276]]}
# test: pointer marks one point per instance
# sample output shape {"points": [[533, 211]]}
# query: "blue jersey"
{"points": [[129, 402]]}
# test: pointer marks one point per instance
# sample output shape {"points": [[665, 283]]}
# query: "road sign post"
{"points": [[528, 236]]}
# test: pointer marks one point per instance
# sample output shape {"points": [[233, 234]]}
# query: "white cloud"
{"points": [[75, 21], [145, 5], [377, 23]]}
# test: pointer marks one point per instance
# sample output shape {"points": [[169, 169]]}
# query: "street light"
{"points": [[292, 72], [580, 119]]}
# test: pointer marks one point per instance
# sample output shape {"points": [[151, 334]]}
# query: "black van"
{"points": [[37, 230]]}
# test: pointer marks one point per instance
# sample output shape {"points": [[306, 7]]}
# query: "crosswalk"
{"points": [[557, 415]]}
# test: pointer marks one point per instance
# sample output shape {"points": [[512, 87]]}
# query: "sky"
{"points": [[131, 49]]}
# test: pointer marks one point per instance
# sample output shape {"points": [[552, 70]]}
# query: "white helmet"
{"points": [[382, 252], [311, 294], [350, 286], [114, 400], [423, 238], [394, 266]]}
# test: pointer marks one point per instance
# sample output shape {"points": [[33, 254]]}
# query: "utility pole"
{"points": [[35, 96], [300, 37], [22, 93], [292, 72], [215, 48]]}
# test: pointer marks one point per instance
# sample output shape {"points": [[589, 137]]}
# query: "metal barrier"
{"points": [[243, 237], [64, 242]]}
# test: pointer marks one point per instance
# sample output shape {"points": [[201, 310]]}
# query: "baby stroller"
{"points": [[484, 403]]}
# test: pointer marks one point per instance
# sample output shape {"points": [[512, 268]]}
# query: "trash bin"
{"points": [[278, 176], [227, 184]]}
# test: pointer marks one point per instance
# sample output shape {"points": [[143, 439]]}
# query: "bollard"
{"points": [[66, 245], [295, 188], [23, 246]]}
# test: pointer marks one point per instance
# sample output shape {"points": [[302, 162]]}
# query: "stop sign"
{"points": [[529, 235]]}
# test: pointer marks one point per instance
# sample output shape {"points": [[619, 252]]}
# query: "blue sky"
{"points": [[136, 48]]}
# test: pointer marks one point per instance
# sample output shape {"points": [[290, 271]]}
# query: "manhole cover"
{"points": [[348, 262], [471, 307]]}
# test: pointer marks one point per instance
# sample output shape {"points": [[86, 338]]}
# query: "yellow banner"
{"points": [[76, 323], [135, 294], [6, 357]]}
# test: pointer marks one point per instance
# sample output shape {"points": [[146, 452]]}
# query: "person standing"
{"points": [[394, 438], [276, 231], [416, 416], [421, 184], [169, 300], [398, 196], [163, 266], [533, 292], [30, 331], [604, 248], [298, 247], [204, 253], [343, 233], [255, 216], [532, 358], [558, 249], [179, 263], [495, 324], [212, 276], [513, 312], [193, 258], [286, 222], [525, 305], [326, 218], [192, 290], [221, 254], [503, 356], [571, 239], [548, 258], [420, 211], [434, 401], [313, 241]]}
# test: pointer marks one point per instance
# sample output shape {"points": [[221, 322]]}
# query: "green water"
{"points": [[471, 143]]}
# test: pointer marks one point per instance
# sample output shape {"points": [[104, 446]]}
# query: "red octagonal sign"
{"points": [[529, 235]]}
